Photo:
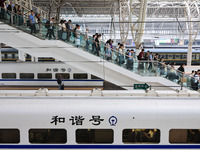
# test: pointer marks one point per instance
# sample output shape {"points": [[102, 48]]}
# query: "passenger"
{"points": [[64, 31], [2, 10], [32, 22], [15, 15], [51, 29], [181, 68], [74, 32], [78, 36], [130, 61], [60, 82], [87, 42], [127, 54], [60, 26], [192, 80], [36, 23], [121, 55], [118, 45], [150, 62], [108, 51], [93, 44], [181, 73], [111, 44], [133, 53], [10, 11], [38, 16], [20, 17], [97, 41], [68, 30], [197, 80], [141, 57]]}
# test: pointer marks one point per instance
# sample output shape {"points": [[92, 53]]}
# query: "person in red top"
{"points": [[141, 55]]}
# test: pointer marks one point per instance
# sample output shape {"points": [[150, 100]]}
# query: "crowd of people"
{"points": [[12, 12]]}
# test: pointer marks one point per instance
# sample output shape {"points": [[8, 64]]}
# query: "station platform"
{"points": [[98, 93]]}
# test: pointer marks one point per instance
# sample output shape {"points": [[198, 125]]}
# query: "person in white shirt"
{"points": [[78, 36]]}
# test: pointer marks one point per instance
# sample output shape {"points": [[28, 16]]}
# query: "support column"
{"points": [[22, 56], [192, 12], [137, 28], [124, 20]]}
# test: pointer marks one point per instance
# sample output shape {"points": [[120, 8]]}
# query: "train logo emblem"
{"points": [[113, 121], [69, 69]]}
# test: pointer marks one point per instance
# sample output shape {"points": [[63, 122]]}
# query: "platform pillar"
{"points": [[124, 19], [22, 56], [137, 28], [192, 12]]}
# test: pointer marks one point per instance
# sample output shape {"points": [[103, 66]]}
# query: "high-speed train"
{"points": [[173, 53], [99, 123], [38, 74]]}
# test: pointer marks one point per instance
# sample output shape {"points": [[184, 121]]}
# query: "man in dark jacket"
{"points": [[68, 29]]}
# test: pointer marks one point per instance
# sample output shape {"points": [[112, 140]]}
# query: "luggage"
{"points": [[64, 35], [77, 42]]}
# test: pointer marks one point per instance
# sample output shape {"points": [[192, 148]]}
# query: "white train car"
{"points": [[99, 123], [45, 75]]}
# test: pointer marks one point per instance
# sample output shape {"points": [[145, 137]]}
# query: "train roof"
{"points": [[9, 50], [164, 50]]}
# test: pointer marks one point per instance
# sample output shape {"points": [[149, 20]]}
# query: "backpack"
{"points": [[58, 81]]}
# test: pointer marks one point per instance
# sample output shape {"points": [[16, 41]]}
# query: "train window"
{"points": [[184, 56], [177, 56], [94, 136], [141, 136], [170, 56], [8, 75], [9, 55], [94, 77], [44, 76], [65, 75], [9, 136], [163, 56], [54, 136], [193, 56], [26, 76], [184, 136], [80, 76]]}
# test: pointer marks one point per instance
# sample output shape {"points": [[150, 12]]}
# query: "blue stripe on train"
{"points": [[99, 146], [45, 80]]}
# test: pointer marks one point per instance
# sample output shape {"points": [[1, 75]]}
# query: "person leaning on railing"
{"points": [[196, 80], [3, 8], [32, 22]]}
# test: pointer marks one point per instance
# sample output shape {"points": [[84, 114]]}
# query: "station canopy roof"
{"points": [[159, 8]]}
